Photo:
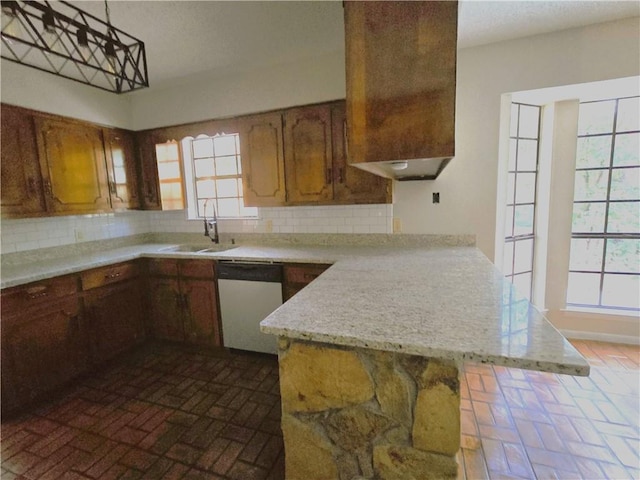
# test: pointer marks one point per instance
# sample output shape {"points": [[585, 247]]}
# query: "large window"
{"points": [[604, 270], [214, 176], [521, 196]]}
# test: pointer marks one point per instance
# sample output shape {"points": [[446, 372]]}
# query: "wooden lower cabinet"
{"points": [[42, 348], [299, 275], [166, 309], [57, 329], [184, 307], [114, 319]]}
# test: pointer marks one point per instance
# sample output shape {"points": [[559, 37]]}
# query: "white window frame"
{"points": [[195, 205]]}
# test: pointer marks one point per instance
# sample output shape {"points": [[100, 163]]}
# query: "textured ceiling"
{"points": [[187, 38]]}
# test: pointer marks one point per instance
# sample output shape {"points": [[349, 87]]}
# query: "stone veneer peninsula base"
{"points": [[351, 413]]}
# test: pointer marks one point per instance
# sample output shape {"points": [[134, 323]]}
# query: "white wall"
{"points": [[31, 88], [319, 79]]}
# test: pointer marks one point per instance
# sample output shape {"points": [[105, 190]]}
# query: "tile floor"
{"points": [[525, 424], [170, 413]]}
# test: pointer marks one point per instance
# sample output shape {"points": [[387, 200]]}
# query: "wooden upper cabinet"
{"points": [[351, 184], [73, 166], [21, 192], [308, 155], [149, 187], [401, 79], [121, 167], [262, 155]]}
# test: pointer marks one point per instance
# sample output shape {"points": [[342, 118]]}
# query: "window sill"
{"points": [[602, 311]]}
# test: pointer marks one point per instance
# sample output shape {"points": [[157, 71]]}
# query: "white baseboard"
{"points": [[602, 337]]}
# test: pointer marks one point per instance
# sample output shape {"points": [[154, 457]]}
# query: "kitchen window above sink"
{"points": [[213, 175]]}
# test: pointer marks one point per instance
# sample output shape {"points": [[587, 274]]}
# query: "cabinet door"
{"points": [[114, 319], [21, 193], [166, 304], [202, 322], [42, 349], [262, 155], [298, 276], [351, 184], [148, 169], [73, 166], [308, 161], [121, 167]]}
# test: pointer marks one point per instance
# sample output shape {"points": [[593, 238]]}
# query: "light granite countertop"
{"points": [[435, 301]]}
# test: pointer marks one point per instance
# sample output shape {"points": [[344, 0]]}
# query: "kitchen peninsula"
{"points": [[370, 356], [370, 352]]}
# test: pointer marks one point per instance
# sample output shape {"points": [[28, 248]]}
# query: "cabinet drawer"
{"points": [[303, 274], [161, 266], [197, 268], [37, 293], [99, 277]]}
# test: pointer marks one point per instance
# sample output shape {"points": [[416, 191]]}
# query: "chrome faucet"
{"points": [[210, 224]]}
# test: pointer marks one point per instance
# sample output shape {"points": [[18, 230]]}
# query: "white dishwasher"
{"points": [[249, 292]]}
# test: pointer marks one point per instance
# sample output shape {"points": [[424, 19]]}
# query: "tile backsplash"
{"points": [[29, 234]]}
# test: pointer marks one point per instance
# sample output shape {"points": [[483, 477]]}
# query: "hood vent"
{"points": [[401, 86]]}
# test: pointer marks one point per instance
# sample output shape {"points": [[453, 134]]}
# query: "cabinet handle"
{"points": [[340, 175], [112, 188], [329, 176], [38, 295], [346, 139], [47, 188], [310, 276], [112, 275]]}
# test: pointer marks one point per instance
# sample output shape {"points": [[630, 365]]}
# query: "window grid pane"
{"points": [[604, 268], [521, 196], [218, 177]]}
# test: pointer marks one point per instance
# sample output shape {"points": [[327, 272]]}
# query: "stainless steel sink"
{"points": [[184, 248], [217, 248], [190, 248]]}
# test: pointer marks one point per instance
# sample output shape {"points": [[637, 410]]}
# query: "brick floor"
{"points": [[162, 412], [170, 413]]}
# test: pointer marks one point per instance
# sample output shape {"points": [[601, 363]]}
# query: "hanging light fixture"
{"points": [[72, 43], [10, 23]]}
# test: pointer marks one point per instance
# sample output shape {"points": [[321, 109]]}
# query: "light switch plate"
{"points": [[397, 225]]}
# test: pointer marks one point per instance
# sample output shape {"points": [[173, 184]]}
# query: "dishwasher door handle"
{"points": [[250, 271]]}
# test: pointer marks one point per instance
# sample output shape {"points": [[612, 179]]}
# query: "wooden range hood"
{"points": [[401, 86]]}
